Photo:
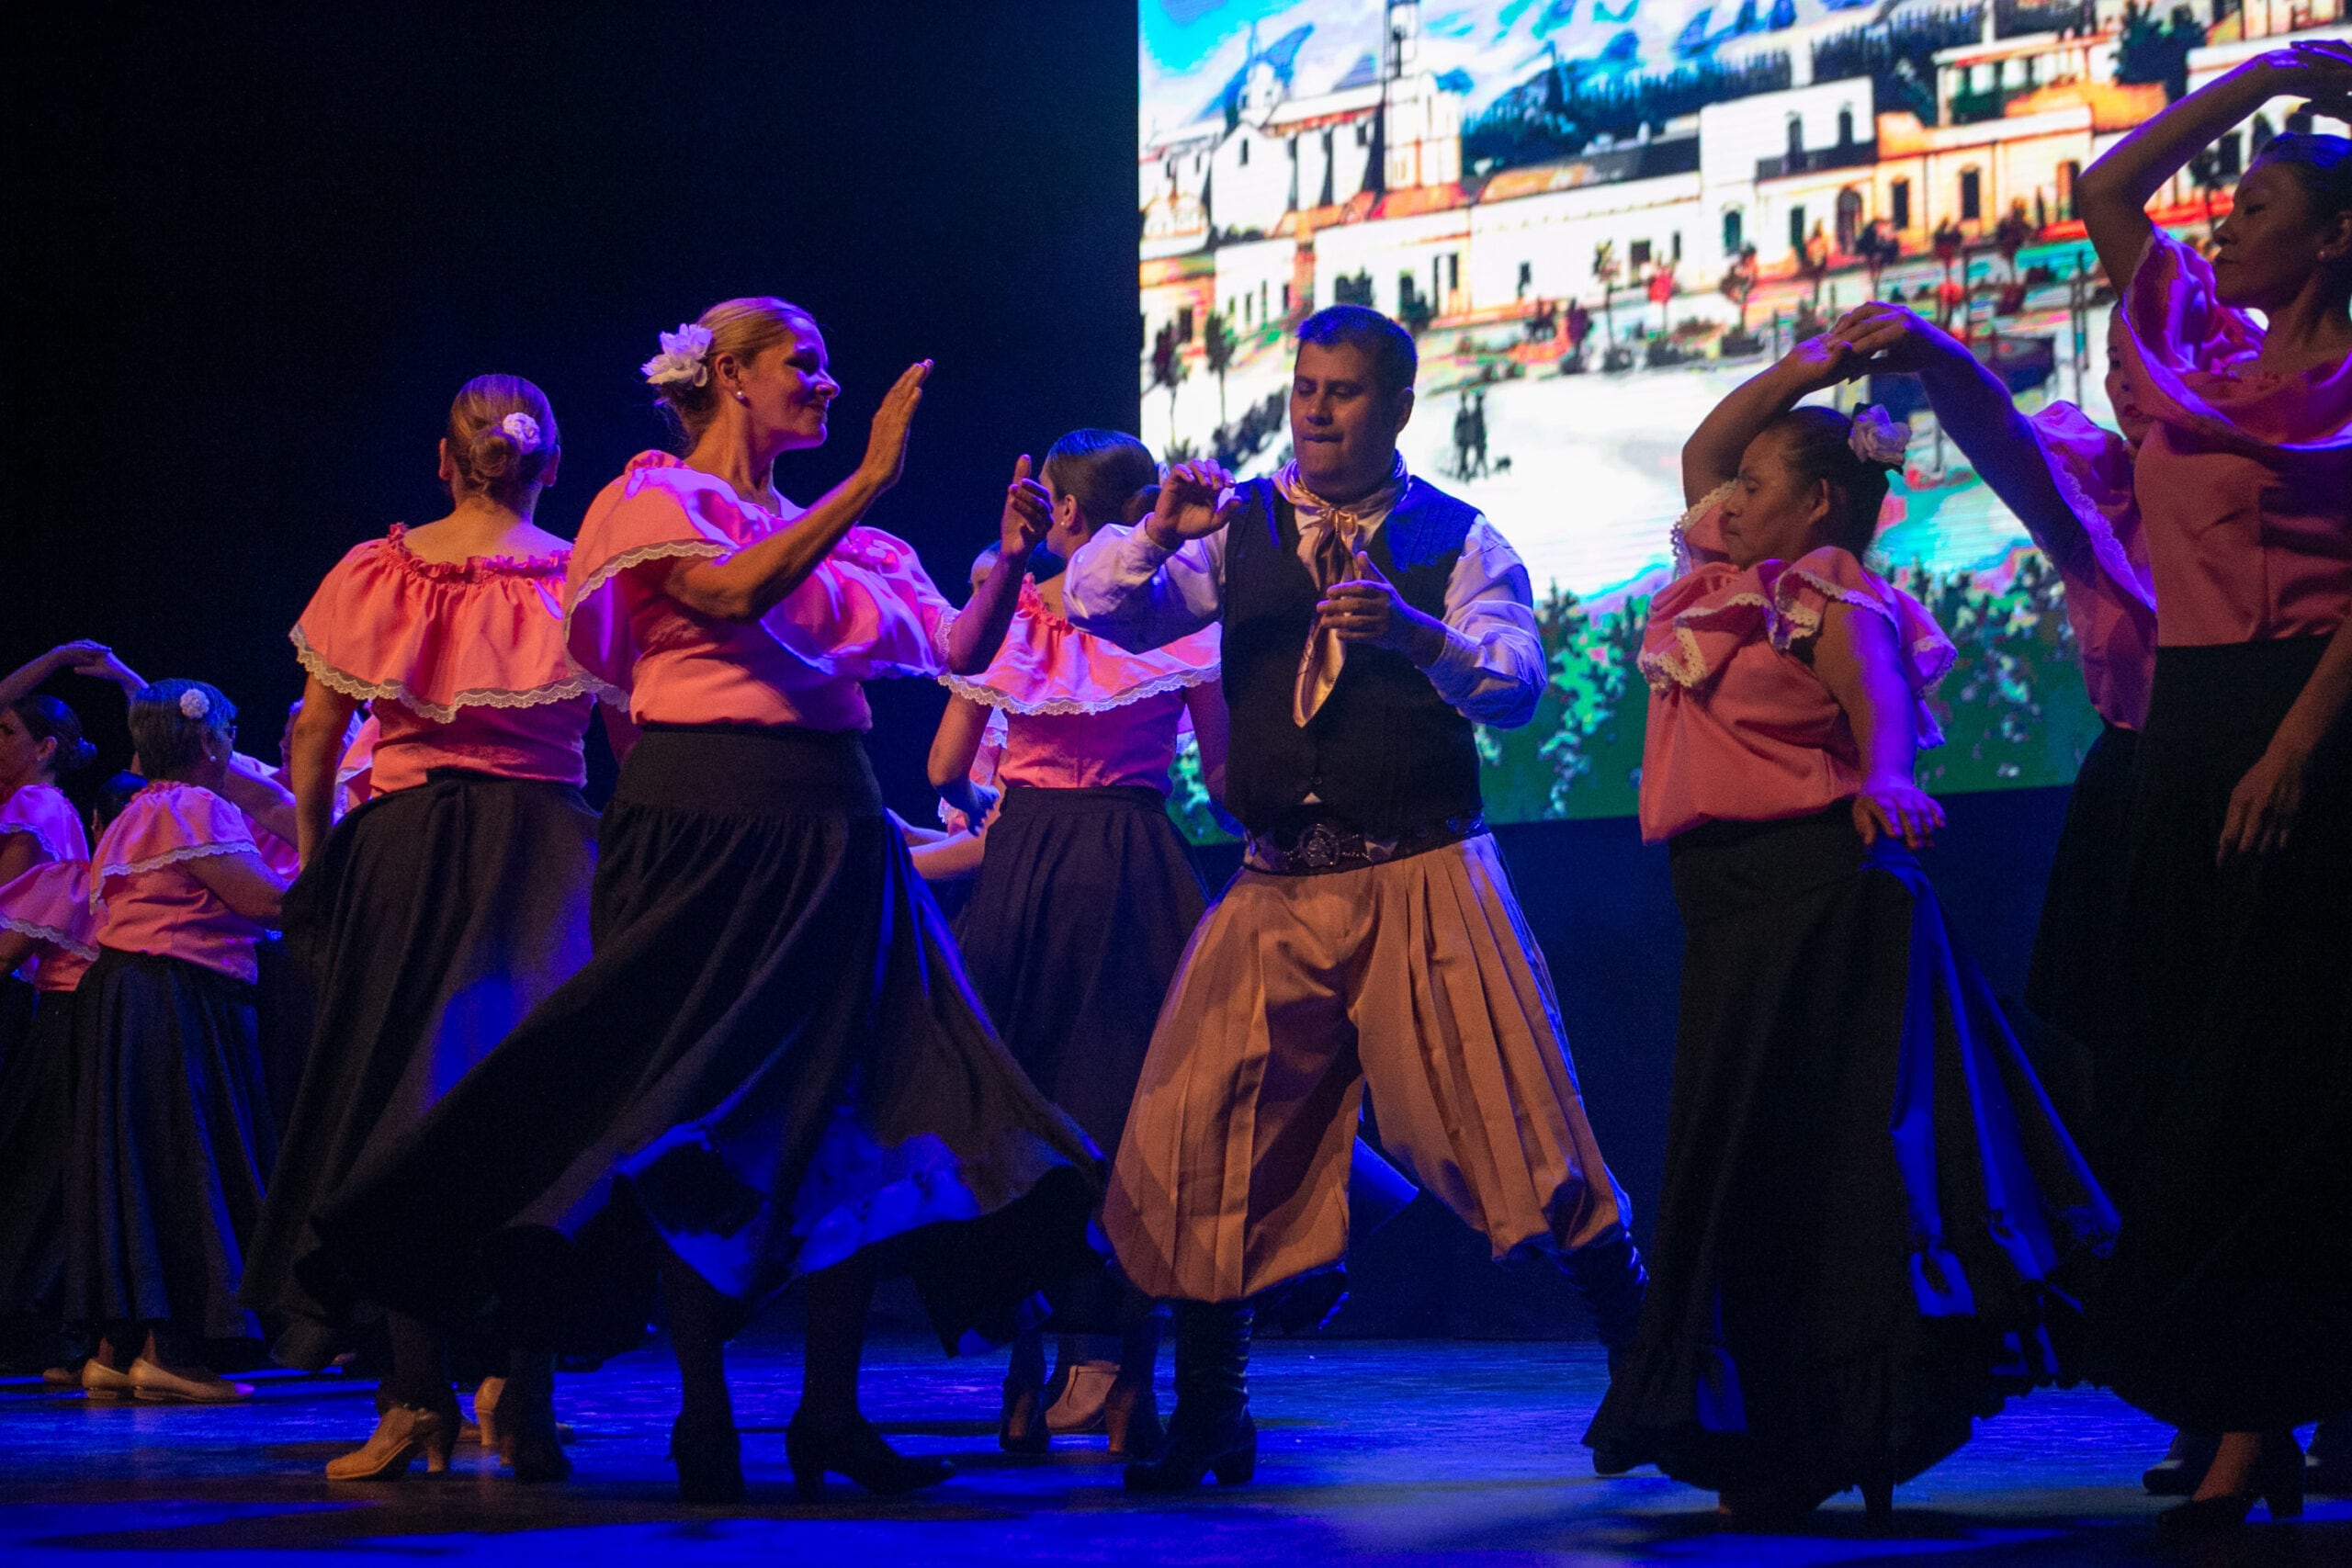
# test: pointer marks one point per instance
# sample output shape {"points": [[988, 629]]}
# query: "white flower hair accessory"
{"points": [[1878, 438], [194, 704], [684, 357], [524, 429]]}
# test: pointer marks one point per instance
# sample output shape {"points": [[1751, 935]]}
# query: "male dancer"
{"points": [[1371, 937]]}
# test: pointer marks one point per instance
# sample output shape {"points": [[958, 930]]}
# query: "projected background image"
{"points": [[1598, 218]]}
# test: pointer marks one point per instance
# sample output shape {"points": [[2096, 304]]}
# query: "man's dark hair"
{"points": [[1386, 346]]}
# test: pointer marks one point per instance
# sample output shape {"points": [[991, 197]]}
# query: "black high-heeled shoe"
{"points": [[2182, 1470], [2275, 1478], [531, 1447], [710, 1458], [1022, 1428], [859, 1453]]}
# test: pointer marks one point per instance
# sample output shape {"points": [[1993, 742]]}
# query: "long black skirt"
{"points": [[773, 1063], [429, 923], [1872, 1227], [2229, 1307], [1075, 926], [1077, 923], [36, 1139], [2072, 984], [172, 1144]]}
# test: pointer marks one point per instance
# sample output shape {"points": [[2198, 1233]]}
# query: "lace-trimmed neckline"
{"points": [[473, 569], [1033, 602]]}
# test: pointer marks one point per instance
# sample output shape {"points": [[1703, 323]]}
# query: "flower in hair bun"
{"points": [[523, 429], [194, 704], [683, 357], [1877, 437]]}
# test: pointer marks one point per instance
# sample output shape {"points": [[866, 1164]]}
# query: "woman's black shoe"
{"points": [[2277, 1480], [1211, 1432], [710, 1461], [859, 1453]]}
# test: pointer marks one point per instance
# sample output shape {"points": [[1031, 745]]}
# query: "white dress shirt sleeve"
{"points": [[1122, 586], [1492, 668]]}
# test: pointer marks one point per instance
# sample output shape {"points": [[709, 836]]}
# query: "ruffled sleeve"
{"points": [[437, 637], [2091, 467], [51, 904], [166, 824], [1699, 621], [2194, 362], [868, 611], [1698, 534], [42, 814], [1803, 589], [1047, 666]]}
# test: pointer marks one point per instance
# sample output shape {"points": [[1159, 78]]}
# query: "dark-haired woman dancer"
{"points": [[171, 1136], [2229, 1307], [433, 918], [1086, 898], [773, 1065], [1869, 1204]]}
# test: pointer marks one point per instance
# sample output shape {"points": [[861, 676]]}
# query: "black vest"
{"points": [[1384, 753]]}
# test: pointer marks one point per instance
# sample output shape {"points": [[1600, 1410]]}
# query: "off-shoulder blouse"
{"points": [[144, 898], [51, 904], [1740, 727], [868, 611], [463, 662], [2245, 479]]}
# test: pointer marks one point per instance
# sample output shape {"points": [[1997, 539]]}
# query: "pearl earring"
{"points": [[740, 398]]}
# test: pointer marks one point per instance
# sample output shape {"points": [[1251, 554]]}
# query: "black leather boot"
{"points": [[1607, 1273], [1211, 1432]]}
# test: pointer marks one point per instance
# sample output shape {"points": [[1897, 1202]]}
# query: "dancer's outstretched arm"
{"points": [[2113, 194], [980, 631], [1710, 457], [1857, 657], [1976, 411]]}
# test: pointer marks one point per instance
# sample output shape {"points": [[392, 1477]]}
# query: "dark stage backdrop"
{"points": [[250, 261]]}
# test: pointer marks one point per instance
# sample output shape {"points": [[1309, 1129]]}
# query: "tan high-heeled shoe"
{"points": [[404, 1432], [487, 1394]]}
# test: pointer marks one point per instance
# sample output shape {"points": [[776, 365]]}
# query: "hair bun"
{"points": [[492, 454], [74, 757]]}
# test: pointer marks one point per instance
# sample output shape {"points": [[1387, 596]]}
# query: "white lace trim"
{"points": [[606, 693], [32, 830], [2106, 550], [989, 697], [64, 942], [1679, 536], [580, 684], [101, 875], [939, 632], [1685, 665]]}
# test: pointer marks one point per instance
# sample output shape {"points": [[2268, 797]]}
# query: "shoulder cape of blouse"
{"points": [[1704, 616], [1047, 666], [165, 825], [868, 611], [42, 814], [437, 637], [51, 904], [2193, 362]]}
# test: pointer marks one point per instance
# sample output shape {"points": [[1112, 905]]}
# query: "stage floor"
{"points": [[1382, 1453]]}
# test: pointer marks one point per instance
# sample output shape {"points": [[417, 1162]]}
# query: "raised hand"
{"points": [[2320, 69], [1899, 809], [1819, 362], [1028, 514], [886, 448], [1367, 609], [1882, 337], [1192, 504]]}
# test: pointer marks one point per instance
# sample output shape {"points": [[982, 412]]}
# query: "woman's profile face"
{"points": [[1772, 513], [2122, 394], [788, 389], [2270, 246], [24, 759]]}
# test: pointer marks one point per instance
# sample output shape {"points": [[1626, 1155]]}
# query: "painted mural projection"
{"points": [[1599, 215]]}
